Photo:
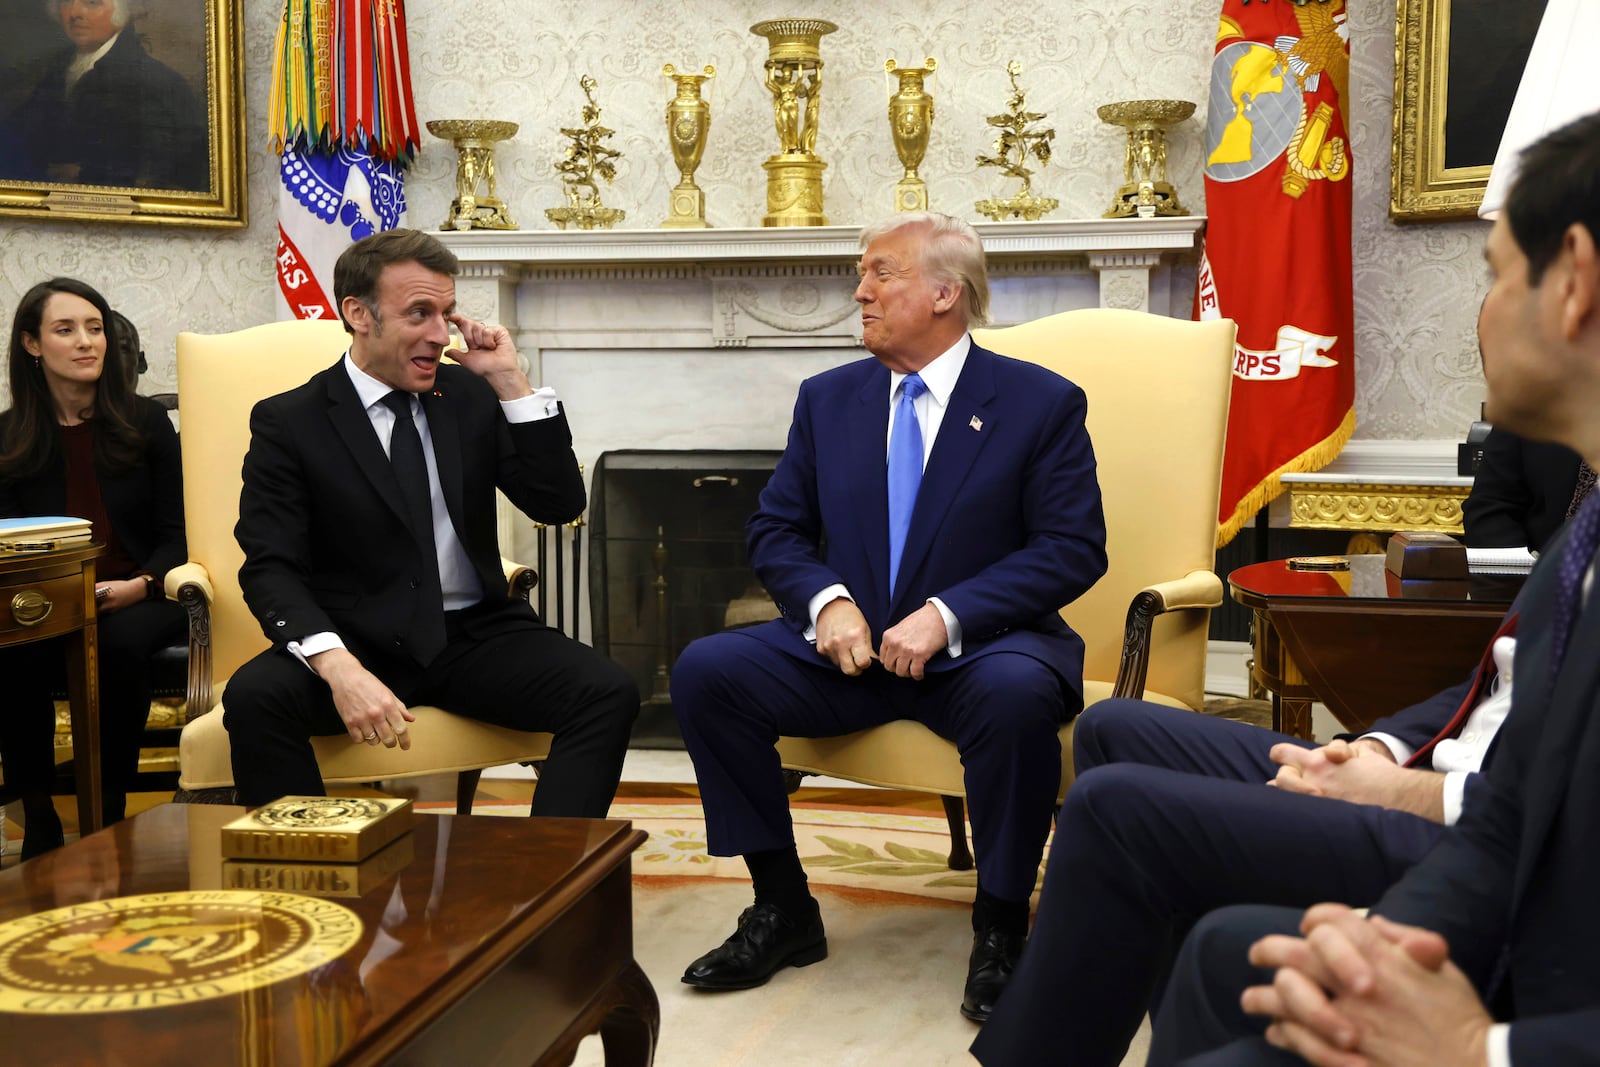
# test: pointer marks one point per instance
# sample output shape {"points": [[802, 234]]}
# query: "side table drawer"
{"points": [[53, 606]]}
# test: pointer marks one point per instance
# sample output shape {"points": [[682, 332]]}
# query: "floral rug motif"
{"points": [[876, 849]]}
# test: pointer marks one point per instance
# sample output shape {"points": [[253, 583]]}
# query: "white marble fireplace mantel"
{"points": [[787, 286], [698, 339]]}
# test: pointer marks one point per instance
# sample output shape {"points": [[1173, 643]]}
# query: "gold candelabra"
{"points": [[794, 78], [1020, 136], [910, 123], [1145, 191], [587, 158], [688, 123]]}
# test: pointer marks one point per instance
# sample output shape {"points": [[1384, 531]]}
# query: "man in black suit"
{"points": [[367, 520], [1523, 491], [1484, 953]]}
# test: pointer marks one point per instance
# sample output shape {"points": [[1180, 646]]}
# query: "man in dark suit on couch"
{"points": [[1484, 952], [367, 520], [946, 562]]}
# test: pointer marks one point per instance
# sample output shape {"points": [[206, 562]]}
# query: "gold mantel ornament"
{"points": [[474, 140], [910, 122], [688, 123], [1145, 191], [794, 78], [586, 159], [1019, 138]]}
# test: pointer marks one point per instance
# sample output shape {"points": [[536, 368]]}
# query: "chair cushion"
{"points": [[440, 743], [907, 755]]}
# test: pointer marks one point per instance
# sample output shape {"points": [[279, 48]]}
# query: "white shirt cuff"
{"points": [[537, 405], [1455, 795], [1499, 1045], [952, 627], [820, 601], [303, 650], [1397, 748]]}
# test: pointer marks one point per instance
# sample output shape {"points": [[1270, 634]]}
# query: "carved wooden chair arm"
{"points": [[1200, 589]]}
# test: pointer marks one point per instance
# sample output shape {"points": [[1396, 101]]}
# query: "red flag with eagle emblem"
{"points": [[1277, 250]]}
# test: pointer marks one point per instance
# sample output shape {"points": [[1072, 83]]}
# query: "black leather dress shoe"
{"points": [[994, 957], [766, 940]]}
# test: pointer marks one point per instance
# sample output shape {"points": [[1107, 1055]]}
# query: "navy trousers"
{"points": [[1168, 818], [735, 695], [1201, 1023]]}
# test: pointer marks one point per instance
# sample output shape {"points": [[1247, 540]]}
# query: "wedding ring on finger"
{"points": [[369, 738]]}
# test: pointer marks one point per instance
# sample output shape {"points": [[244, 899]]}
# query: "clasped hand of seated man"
{"points": [[844, 637], [1362, 772], [1356, 991], [370, 710]]}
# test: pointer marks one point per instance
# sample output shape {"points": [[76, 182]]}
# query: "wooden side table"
{"points": [[1360, 641], [51, 594]]}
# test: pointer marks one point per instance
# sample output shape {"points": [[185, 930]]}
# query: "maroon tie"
{"points": [[1480, 683]]}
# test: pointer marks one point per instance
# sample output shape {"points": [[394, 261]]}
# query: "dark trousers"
{"points": [[525, 678], [1201, 1023], [1168, 818], [127, 640], [734, 695]]}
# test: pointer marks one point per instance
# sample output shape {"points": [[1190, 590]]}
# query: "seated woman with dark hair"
{"points": [[78, 441]]}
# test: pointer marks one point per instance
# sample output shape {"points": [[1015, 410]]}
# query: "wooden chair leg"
{"points": [[955, 811], [791, 780], [466, 789]]}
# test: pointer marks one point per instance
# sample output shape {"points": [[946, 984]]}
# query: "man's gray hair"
{"points": [[119, 10], [952, 253]]}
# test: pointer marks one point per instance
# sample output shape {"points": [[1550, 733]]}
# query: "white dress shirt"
{"points": [[940, 377], [457, 577]]}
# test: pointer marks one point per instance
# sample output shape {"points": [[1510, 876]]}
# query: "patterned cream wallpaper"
{"points": [[1417, 288]]}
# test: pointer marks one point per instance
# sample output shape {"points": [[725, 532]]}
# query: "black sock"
{"points": [[1010, 916], [41, 826], [779, 880]]}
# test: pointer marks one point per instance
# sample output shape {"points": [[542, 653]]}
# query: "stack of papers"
{"points": [[41, 533], [1499, 560]]}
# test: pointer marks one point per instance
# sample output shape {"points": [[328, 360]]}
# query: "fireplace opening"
{"points": [[667, 564]]}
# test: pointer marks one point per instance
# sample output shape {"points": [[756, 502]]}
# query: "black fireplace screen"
{"points": [[667, 563]]}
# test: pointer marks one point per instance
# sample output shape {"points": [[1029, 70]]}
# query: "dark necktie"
{"points": [[1581, 488], [1583, 536], [905, 470], [1480, 684], [411, 470]]}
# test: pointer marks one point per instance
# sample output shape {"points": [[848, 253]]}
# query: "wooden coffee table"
{"points": [[502, 941]]}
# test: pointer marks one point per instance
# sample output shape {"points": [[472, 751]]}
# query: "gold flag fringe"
{"points": [[1270, 488]]}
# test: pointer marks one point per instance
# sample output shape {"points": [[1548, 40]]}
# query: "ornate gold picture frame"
{"points": [[123, 111], [1457, 64]]}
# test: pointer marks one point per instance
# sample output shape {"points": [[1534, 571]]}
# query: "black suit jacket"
{"points": [[322, 522], [1511, 886], [1520, 494], [145, 504]]}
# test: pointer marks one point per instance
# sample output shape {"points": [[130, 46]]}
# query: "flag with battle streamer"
{"points": [[1277, 250], [343, 123]]}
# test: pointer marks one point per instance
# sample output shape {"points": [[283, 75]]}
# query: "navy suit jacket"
{"points": [[1007, 526], [1511, 886], [323, 525]]}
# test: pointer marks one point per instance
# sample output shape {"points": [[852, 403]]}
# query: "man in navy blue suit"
{"points": [[933, 510], [1170, 816], [1484, 953]]}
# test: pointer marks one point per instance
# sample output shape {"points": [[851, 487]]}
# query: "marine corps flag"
{"points": [[342, 121], [1277, 251]]}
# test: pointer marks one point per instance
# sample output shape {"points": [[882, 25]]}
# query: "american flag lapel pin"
{"points": [[976, 423]]}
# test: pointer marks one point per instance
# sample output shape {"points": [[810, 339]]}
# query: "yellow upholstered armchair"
{"points": [[220, 378], [1158, 393]]}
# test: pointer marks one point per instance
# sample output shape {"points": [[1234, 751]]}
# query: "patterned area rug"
{"points": [[875, 850]]}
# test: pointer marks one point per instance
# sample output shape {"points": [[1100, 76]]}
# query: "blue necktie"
{"points": [[1582, 540], [905, 470]]}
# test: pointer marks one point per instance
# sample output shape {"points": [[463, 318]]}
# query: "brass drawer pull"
{"points": [[30, 607]]}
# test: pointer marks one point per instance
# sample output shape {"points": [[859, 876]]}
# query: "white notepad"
{"points": [[1500, 560]]}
